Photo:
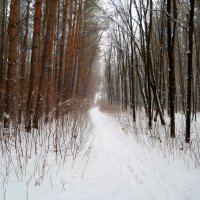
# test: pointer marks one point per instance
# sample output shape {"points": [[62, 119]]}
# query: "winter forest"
{"points": [[99, 99]]}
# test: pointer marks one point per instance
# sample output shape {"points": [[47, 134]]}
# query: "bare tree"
{"points": [[190, 69]]}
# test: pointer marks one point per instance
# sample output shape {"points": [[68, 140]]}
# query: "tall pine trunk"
{"points": [[34, 66], [2, 59], [23, 65], [48, 47], [60, 79], [12, 92]]}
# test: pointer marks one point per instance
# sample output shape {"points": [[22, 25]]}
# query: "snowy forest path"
{"points": [[113, 166], [132, 171]]}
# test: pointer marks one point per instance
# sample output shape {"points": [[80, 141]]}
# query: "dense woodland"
{"points": [[153, 59], [46, 54], [139, 60], [139, 57]]}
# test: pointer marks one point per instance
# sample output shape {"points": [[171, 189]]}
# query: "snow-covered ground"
{"points": [[114, 166]]}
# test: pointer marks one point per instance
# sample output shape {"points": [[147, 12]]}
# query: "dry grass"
{"points": [[159, 136], [107, 107], [58, 139]]}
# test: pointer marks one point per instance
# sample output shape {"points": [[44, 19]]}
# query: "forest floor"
{"points": [[114, 167]]}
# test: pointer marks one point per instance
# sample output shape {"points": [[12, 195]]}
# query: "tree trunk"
{"points": [[62, 57], [34, 66], [23, 65], [2, 60], [12, 93], [171, 70], [190, 70], [42, 91]]}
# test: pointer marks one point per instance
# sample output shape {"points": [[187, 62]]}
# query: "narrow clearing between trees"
{"points": [[118, 168]]}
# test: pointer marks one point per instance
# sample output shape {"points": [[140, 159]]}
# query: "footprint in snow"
{"points": [[131, 172]]}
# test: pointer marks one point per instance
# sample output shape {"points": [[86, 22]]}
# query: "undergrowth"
{"points": [[159, 136], [32, 155]]}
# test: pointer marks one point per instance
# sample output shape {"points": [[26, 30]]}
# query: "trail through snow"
{"points": [[119, 168]]}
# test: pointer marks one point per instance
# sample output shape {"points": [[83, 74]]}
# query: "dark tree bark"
{"points": [[190, 70], [132, 78], [170, 41]]}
